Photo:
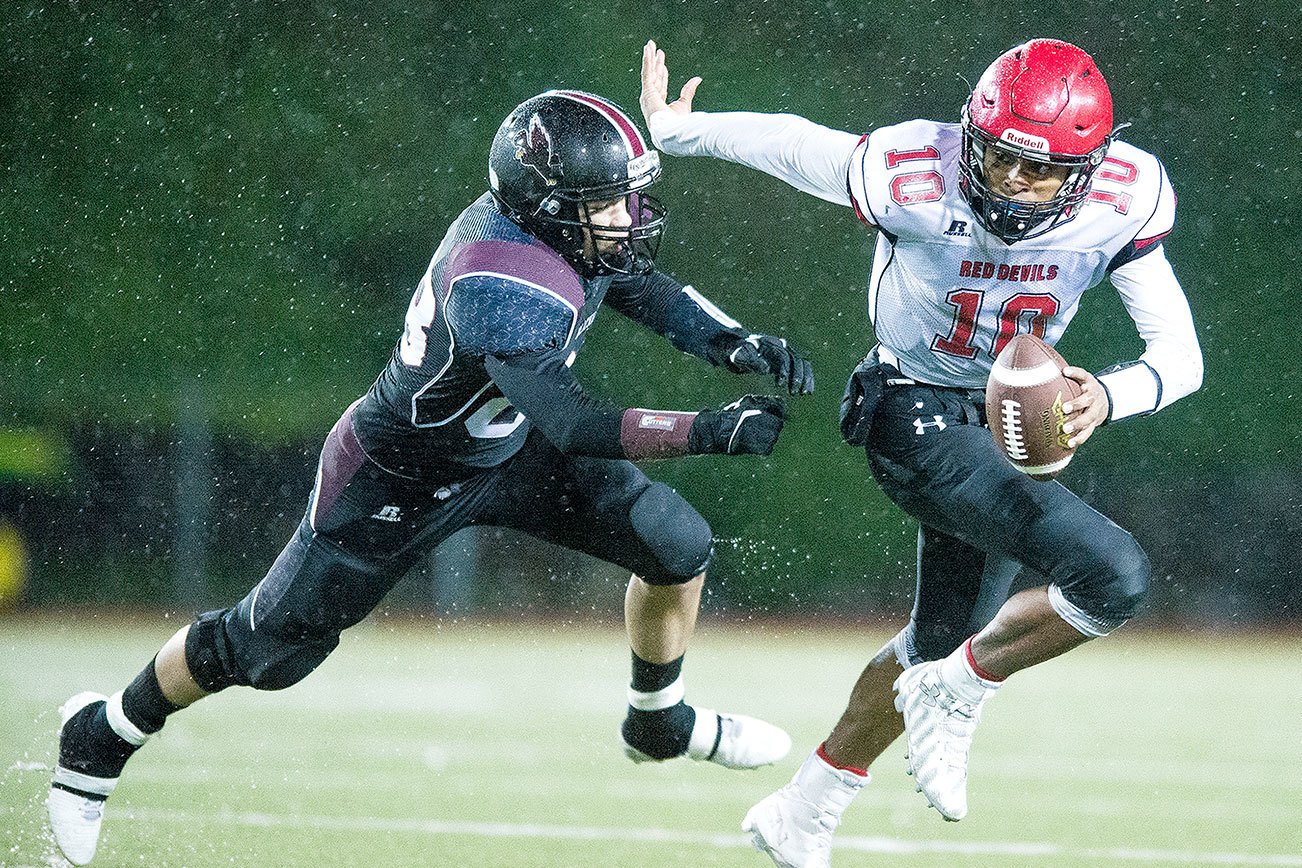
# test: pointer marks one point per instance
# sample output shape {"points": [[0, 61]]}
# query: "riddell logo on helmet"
{"points": [[1022, 140]]}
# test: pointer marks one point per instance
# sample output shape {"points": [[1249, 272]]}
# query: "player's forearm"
{"points": [[1165, 373], [544, 389], [1172, 364], [810, 157], [689, 320]]}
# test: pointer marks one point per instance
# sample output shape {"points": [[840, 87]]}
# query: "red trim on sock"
{"points": [[822, 754], [971, 661]]}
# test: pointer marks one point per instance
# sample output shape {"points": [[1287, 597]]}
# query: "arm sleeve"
{"points": [[812, 158], [690, 321], [541, 385], [1172, 364]]}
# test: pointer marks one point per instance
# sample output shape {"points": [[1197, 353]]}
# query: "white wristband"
{"points": [[1133, 389]]}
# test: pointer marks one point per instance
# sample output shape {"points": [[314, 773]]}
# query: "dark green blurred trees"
{"points": [[225, 205]]}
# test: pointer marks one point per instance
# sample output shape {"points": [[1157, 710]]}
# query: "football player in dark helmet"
{"points": [[987, 228], [478, 419], [573, 170]]}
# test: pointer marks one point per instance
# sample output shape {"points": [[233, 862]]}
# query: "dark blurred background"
{"points": [[213, 214]]}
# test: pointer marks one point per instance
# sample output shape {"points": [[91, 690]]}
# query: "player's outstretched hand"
{"points": [[749, 426], [655, 84], [1086, 411], [765, 354]]}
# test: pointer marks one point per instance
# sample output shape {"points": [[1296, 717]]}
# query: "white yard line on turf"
{"points": [[892, 846]]}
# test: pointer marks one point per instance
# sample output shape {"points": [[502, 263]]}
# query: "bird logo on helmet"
{"points": [[1044, 101], [562, 156], [533, 148]]}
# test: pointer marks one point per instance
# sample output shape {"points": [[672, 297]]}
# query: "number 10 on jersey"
{"points": [[1033, 309]]}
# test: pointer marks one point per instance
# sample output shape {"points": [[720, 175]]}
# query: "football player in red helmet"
{"points": [[1035, 130], [986, 228]]}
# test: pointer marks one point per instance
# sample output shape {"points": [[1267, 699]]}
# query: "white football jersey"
{"points": [[946, 296]]}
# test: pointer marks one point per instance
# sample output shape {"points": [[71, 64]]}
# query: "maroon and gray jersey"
{"points": [[490, 334]]}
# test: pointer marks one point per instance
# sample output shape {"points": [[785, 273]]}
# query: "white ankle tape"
{"points": [[85, 783], [665, 697], [117, 719], [706, 733]]}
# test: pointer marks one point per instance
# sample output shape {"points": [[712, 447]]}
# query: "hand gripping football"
{"points": [[1024, 398]]}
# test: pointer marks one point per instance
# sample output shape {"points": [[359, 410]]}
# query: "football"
{"points": [[1024, 399]]}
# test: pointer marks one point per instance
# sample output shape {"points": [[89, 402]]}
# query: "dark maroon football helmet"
{"points": [[563, 150]]}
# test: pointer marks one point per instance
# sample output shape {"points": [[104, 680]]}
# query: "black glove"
{"points": [[749, 426], [765, 354]]}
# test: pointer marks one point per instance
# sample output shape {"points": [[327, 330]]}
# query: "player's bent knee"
{"points": [[676, 534], [291, 664], [209, 654], [1114, 590], [220, 654], [1130, 583]]}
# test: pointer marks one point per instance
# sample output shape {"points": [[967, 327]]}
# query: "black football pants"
{"points": [[365, 528], [982, 520]]}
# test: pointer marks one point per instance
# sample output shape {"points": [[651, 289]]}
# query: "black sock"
{"points": [[144, 704], [87, 744], [650, 677]]}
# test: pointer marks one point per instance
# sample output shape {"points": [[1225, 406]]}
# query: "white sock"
{"points": [[826, 786], [962, 680]]}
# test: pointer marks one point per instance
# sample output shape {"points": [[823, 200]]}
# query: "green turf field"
{"points": [[474, 745]]}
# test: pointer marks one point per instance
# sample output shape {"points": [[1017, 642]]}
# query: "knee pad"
{"points": [[676, 534], [209, 655], [221, 655], [287, 664], [1110, 589]]}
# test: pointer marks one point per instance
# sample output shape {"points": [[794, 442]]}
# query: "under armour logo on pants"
{"points": [[920, 426]]}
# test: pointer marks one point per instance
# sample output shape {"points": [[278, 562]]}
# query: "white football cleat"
{"points": [[75, 812], [794, 826], [734, 741], [938, 725]]}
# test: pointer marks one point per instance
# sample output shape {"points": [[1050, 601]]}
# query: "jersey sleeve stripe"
{"points": [[849, 183], [1141, 243], [527, 263], [865, 213]]}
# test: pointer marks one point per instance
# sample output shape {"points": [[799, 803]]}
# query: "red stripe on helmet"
{"points": [[621, 121]]}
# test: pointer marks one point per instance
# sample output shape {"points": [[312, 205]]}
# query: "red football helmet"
{"points": [[1044, 101]]}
